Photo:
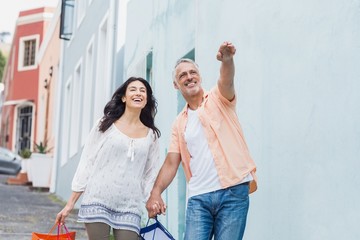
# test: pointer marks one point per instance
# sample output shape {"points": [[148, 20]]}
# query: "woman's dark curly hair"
{"points": [[115, 108]]}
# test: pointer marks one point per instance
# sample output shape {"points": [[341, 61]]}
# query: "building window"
{"points": [[24, 125], [149, 69], [28, 47], [66, 19], [29, 52]]}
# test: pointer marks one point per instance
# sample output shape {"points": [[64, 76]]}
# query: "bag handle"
{"points": [[153, 238], [58, 225]]}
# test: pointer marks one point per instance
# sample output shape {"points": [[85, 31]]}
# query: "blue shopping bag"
{"points": [[155, 231]]}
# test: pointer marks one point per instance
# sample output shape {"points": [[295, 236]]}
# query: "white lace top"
{"points": [[116, 173]]}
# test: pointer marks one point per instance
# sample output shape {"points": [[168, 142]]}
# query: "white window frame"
{"points": [[66, 121], [103, 68], [88, 91], [75, 109], [22, 41]]}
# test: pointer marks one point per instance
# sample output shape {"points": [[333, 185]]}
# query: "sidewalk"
{"points": [[24, 210]]}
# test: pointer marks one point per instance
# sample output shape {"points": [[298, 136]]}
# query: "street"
{"points": [[24, 210]]}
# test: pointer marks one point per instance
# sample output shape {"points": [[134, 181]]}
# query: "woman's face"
{"points": [[135, 95]]}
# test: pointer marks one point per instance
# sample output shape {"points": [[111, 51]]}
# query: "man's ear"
{"points": [[175, 85]]}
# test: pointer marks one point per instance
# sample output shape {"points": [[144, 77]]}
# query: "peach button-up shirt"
{"points": [[225, 138]]}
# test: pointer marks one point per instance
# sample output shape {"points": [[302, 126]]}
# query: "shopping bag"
{"points": [[155, 231], [59, 236]]}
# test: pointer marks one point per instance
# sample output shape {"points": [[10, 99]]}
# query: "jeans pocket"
{"points": [[240, 191]]}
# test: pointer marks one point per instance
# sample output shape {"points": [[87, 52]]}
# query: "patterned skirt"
{"points": [[116, 219]]}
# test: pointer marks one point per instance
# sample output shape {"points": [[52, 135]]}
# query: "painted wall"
{"points": [[97, 47], [19, 83], [298, 101], [49, 58], [74, 53]]}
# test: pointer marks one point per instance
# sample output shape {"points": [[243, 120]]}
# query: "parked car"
{"points": [[10, 163]]}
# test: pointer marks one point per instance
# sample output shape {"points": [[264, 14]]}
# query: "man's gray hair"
{"points": [[181, 60]]}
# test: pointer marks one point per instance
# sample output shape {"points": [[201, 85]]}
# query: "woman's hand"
{"points": [[62, 215]]}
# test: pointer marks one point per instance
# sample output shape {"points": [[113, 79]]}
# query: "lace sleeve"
{"points": [[87, 160]]}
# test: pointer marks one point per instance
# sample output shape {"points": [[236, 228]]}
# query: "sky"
{"points": [[9, 11]]}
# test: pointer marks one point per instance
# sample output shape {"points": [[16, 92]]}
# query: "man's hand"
{"points": [[226, 52], [155, 205]]}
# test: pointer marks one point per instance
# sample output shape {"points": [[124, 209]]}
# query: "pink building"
{"points": [[26, 100]]}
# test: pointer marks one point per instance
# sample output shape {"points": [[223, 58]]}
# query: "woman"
{"points": [[118, 165]]}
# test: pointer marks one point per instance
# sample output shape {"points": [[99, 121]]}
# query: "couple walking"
{"points": [[120, 167]]}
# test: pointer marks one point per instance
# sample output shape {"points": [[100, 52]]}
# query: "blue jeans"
{"points": [[221, 214]]}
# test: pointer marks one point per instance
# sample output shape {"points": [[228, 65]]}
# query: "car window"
{"points": [[6, 154]]}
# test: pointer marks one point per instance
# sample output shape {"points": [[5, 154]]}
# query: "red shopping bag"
{"points": [[59, 236]]}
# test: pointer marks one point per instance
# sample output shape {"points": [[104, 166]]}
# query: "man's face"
{"points": [[187, 79]]}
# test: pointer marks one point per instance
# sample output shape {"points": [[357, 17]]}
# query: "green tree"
{"points": [[2, 65]]}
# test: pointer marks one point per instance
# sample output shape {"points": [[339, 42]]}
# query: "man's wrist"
{"points": [[155, 192]]}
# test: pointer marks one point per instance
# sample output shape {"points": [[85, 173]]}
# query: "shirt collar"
{"points": [[185, 109]]}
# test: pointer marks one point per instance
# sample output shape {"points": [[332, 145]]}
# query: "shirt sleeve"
{"points": [[223, 100], [174, 146], [87, 160], [152, 168]]}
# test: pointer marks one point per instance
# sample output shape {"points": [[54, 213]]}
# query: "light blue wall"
{"points": [[73, 51], [155, 25], [297, 82], [298, 93]]}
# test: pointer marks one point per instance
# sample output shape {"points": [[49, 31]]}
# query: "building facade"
{"points": [[297, 99], [90, 70], [19, 122]]}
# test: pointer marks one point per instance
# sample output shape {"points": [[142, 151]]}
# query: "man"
{"points": [[207, 139]]}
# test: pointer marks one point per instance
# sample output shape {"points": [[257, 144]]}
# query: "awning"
{"points": [[17, 102]]}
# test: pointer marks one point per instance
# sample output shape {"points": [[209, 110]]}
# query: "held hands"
{"points": [[226, 52], [155, 206]]}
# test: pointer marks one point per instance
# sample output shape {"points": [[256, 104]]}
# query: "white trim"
{"points": [[88, 86], [66, 102], [24, 104], [37, 17], [75, 109], [21, 66], [17, 102], [103, 67], [58, 120]]}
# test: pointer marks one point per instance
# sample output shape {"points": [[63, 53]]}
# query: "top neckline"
{"points": [[132, 138]]}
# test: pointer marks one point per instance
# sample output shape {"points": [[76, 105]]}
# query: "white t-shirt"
{"points": [[204, 174]]}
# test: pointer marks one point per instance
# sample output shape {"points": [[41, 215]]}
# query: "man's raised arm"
{"points": [[227, 70]]}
